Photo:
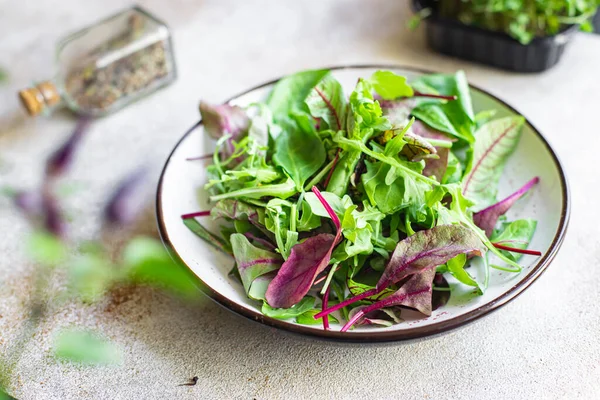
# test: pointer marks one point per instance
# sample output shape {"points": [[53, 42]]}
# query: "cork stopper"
{"points": [[36, 99]]}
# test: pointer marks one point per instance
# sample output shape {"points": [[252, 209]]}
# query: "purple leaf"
{"points": [[298, 272], [423, 250], [29, 203], [487, 218], [62, 158], [53, 218], [224, 119], [440, 297], [383, 317], [397, 111], [240, 211], [128, 199], [429, 248], [415, 293], [251, 261], [433, 167], [307, 260]]}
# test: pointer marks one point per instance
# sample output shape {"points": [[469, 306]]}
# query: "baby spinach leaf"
{"points": [[207, 236], [327, 101], [389, 85], [496, 141], [516, 234], [304, 305], [308, 318], [308, 219], [456, 266], [290, 92], [259, 286], [251, 261], [300, 153], [487, 218], [455, 117]]}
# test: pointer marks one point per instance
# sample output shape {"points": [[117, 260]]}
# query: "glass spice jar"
{"points": [[107, 66]]}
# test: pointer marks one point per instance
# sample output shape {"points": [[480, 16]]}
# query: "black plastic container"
{"points": [[493, 48]]}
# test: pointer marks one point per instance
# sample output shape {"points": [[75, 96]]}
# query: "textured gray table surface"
{"points": [[545, 344]]}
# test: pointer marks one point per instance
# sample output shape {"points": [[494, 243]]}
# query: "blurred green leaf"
{"points": [[90, 275], [3, 78], [85, 347], [46, 249], [147, 261]]}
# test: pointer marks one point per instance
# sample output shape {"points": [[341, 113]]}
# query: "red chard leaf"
{"points": [[224, 119], [298, 272], [423, 250], [307, 260], [415, 293], [251, 261], [429, 248], [487, 218], [433, 167]]}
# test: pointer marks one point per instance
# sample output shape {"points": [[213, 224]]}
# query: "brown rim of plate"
{"points": [[391, 335]]}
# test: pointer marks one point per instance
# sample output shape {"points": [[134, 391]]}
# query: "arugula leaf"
{"points": [[300, 308], [279, 222], [496, 141], [367, 118], [300, 153], [279, 190], [251, 261], [289, 93], [328, 102], [389, 85]]}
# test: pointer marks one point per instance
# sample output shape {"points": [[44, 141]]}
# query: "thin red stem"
{"points": [[324, 308], [515, 250], [335, 160], [204, 157], [346, 302], [332, 214], [195, 214], [434, 96]]}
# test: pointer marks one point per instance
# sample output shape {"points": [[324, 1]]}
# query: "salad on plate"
{"points": [[350, 209]]}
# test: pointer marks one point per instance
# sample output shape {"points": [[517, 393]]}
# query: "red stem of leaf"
{"points": [[347, 302], [380, 304], [515, 250], [335, 160], [195, 214], [332, 214], [324, 308], [434, 96], [330, 106], [204, 157]]}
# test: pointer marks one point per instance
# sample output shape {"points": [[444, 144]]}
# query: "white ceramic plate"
{"points": [[179, 192]]}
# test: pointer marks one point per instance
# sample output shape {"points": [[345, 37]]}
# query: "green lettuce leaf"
{"points": [[496, 141], [289, 93], [328, 102]]}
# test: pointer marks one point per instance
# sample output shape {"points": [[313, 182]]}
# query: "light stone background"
{"points": [[544, 345]]}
